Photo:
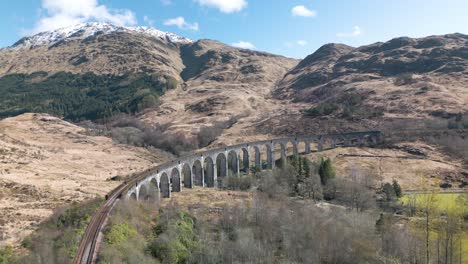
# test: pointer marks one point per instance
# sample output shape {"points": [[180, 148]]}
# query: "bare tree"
{"points": [[428, 206], [353, 190]]}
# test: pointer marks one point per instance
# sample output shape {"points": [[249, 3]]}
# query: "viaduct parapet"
{"points": [[208, 168]]}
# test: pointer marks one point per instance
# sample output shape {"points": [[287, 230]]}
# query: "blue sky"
{"points": [[294, 28]]}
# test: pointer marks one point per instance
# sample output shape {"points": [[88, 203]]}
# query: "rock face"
{"points": [[403, 71]]}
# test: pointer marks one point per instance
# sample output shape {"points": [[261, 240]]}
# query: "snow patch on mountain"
{"points": [[83, 31]]}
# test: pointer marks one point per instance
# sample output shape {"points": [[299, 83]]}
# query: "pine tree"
{"points": [[306, 168], [389, 191], [397, 189], [326, 171]]}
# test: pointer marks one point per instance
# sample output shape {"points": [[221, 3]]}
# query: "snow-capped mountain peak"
{"points": [[85, 30]]}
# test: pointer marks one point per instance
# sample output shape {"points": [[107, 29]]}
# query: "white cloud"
{"points": [[225, 6], [301, 42], [181, 23], [356, 32], [148, 20], [303, 11], [243, 45], [61, 13], [166, 2]]}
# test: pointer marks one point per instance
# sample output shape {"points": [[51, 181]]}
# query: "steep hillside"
{"points": [[222, 84], [94, 70], [403, 77], [47, 163]]}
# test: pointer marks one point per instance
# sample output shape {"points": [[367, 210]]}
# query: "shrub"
{"points": [[58, 238], [116, 178], [255, 170], [7, 255], [175, 237], [404, 79], [128, 129], [347, 105], [148, 101], [119, 233], [397, 189], [128, 135], [326, 171], [208, 134], [242, 183], [445, 185], [171, 82], [388, 191], [323, 109]]}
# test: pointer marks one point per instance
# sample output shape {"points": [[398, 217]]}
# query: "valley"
{"points": [[87, 108]]}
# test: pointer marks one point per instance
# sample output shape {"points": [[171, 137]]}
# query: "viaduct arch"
{"points": [[203, 169], [210, 167]]}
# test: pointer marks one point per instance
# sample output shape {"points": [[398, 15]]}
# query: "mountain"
{"points": [[195, 94], [403, 77], [87, 30], [100, 48], [94, 70], [97, 70]]}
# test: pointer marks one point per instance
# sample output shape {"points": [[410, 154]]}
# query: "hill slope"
{"points": [[47, 163], [403, 77], [94, 70]]}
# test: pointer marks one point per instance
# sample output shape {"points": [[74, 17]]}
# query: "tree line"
{"points": [[77, 97]]}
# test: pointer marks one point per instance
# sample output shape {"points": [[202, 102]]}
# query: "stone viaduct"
{"points": [[209, 167]]}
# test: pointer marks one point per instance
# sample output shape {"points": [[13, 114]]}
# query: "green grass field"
{"points": [[444, 201]]}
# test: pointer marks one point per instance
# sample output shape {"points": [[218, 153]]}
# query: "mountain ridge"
{"points": [[85, 30], [214, 82]]}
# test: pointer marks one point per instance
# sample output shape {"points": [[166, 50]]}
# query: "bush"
{"points": [[175, 237], [119, 233], [208, 134], [389, 192], [116, 178], [445, 185], [127, 129], [404, 79], [148, 101], [323, 109], [7, 255], [171, 82], [347, 105], [326, 171], [128, 232], [279, 182], [58, 238], [255, 170], [397, 189], [242, 183]]}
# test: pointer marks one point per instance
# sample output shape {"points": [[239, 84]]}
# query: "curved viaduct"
{"points": [[207, 169]]}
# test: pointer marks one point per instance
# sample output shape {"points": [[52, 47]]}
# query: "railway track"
{"points": [[87, 251]]}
